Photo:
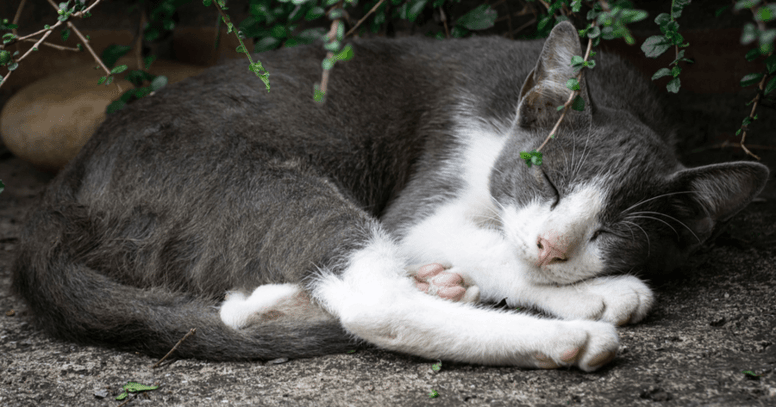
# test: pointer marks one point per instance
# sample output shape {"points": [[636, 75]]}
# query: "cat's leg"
{"points": [[270, 302], [617, 299], [375, 300]]}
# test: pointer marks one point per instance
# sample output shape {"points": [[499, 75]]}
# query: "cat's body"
{"points": [[313, 217]]}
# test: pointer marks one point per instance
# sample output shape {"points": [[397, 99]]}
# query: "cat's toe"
{"points": [[442, 281], [588, 345], [627, 300]]}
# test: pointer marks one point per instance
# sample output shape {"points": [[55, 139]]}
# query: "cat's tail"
{"points": [[72, 301]]}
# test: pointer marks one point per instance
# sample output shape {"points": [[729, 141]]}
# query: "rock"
{"points": [[47, 122]]}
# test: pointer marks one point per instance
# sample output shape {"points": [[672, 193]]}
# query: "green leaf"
{"points": [[318, 95], [336, 13], [112, 53], [676, 70], [721, 10], [345, 55], [159, 82], [119, 69], [766, 13], [327, 63], [314, 13], [480, 18], [577, 60], [266, 44], [207, 3], [572, 84], [437, 366], [526, 156], [65, 34], [674, 85], [770, 63], [594, 32], [102, 80], [752, 54], [742, 4], [578, 104], [590, 64], [766, 38], [662, 19], [12, 66], [559, 108], [751, 79], [749, 34], [661, 73], [433, 394], [655, 46], [133, 387], [241, 49], [628, 16], [2, 186], [416, 7], [5, 57], [333, 46], [770, 86]]}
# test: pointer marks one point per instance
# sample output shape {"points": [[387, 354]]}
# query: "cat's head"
{"points": [[610, 195]]}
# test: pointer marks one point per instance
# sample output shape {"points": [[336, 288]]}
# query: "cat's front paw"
{"points": [[627, 299], [444, 282], [619, 300], [588, 345]]}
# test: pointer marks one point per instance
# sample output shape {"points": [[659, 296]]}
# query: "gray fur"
{"points": [[213, 185]]}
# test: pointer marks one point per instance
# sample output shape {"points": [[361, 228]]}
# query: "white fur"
{"points": [[375, 300], [238, 310]]}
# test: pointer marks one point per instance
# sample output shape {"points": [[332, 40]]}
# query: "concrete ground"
{"points": [[710, 340]]}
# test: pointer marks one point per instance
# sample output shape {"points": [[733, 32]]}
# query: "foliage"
{"points": [[286, 23], [134, 387]]}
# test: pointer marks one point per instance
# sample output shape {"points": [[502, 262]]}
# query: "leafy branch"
{"points": [[765, 37], [255, 67], [656, 45], [65, 12]]}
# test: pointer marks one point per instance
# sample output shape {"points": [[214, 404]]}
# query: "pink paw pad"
{"points": [[433, 279]]}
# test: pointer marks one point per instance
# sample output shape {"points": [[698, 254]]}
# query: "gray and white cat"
{"points": [[282, 228]]}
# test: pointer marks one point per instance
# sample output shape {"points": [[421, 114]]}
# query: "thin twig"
{"points": [[91, 51], [509, 20], [443, 17], [752, 114], [573, 95], [139, 40], [364, 17], [130, 396], [55, 46], [192, 331], [16, 19], [325, 76]]}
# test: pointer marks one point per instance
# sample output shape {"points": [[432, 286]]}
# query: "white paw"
{"points": [[588, 345], [444, 282], [619, 300], [626, 299], [239, 311]]}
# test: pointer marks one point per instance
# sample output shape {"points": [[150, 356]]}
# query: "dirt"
{"points": [[710, 340]]}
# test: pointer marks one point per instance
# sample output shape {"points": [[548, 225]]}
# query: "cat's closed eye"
{"points": [[554, 190]]}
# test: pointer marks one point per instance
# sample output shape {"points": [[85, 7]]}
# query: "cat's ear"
{"points": [[545, 87], [714, 193]]}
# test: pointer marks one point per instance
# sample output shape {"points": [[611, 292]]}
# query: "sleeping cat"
{"points": [[279, 227]]}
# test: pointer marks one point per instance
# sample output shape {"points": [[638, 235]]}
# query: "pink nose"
{"points": [[548, 253]]}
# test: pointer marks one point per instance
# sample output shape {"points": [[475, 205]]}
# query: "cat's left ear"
{"points": [[715, 193], [545, 87]]}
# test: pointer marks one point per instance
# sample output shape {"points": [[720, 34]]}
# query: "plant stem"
{"points": [[567, 105]]}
